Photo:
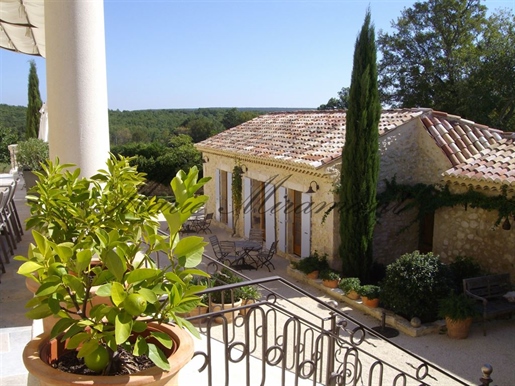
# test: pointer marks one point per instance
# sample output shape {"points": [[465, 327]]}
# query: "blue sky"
{"points": [[241, 53]]}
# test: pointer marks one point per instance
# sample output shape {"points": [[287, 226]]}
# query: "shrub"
{"points": [[457, 307], [348, 284], [313, 262], [32, 153], [370, 291], [413, 285], [329, 274], [464, 267]]}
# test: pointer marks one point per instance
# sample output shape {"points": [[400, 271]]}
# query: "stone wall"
{"points": [[471, 232]]}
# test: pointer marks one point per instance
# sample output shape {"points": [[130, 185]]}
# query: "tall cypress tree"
{"points": [[34, 104], [360, 159]]}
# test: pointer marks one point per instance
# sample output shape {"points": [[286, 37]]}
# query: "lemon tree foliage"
{"points": [[100, 233]]}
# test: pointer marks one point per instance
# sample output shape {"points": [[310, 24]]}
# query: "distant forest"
{"points": [[162, 141]]}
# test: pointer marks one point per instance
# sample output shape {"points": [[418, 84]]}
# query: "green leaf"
{"points": [[39, 312], [118, 293], [163, 338], [116, 265], [139, 326], [47, 288], [140, 346], [122, 327], [60, 326], [77, 339], [192, 248], [104, 290], [29, 267], [141, 274], [157, 356], [148, 295], [83, 260], [87, 348]]}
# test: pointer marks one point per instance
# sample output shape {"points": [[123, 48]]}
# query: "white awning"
{"points": [[22, 26]]}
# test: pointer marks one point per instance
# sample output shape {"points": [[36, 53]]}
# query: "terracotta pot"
{"points": [[313, 275], [227, 306], [245, 302], [352, 295], [39, 352], [458, 329], [372, 303], [200, 310], [330, 283]]}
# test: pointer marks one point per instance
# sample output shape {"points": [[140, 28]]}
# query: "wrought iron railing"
{"points": [[289, 337]]}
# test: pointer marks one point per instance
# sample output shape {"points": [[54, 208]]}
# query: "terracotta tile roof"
{"points": [[314, 138], [310, 138], [459, 138], [495, 164]]}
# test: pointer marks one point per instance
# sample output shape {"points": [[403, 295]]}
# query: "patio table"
{"points": [[247, 246]]}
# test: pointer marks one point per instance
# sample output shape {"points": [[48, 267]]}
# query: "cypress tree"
{"points": [[360, 160], [34, 105]]}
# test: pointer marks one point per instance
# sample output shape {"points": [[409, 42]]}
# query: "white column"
{"points": [[77, 83]]}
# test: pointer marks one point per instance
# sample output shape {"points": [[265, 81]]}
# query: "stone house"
{"points": [[291, 162]]}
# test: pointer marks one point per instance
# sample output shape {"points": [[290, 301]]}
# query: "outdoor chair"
{"points": [[265, 256], [215, 244], [6, 223], [229, 253], [256, 234], [203, 225]]}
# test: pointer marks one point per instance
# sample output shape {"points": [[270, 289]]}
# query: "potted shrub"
{"points": [[113, 222], [249, 295], [458, 311], [350, 286], [30, 155], [370, 295], [312, 265], [224, 300], [329, 278]]}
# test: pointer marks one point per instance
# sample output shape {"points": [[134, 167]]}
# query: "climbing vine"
{"points": [[429, 198], [237, 193]]}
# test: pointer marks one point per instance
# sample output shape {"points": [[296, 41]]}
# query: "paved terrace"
{"points": [[463, 358]]}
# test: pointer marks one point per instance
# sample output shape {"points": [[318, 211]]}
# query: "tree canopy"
{"points": [[340, 103], [448, 55]]}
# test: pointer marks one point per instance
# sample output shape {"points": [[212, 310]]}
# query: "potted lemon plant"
{"points": [[139, 333]]}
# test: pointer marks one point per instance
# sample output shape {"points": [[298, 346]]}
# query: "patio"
{"points": [[462, 358]]}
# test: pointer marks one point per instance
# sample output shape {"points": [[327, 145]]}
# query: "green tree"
{"points": [[490, 96], [340, 103], [448, 55], [360, 159], [426, 60], [7, 137], [34, 105]]}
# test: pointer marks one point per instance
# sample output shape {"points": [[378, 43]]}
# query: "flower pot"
{"points": [[330, 283], [458, 329], [352, 295], [372, 303], [200, 310], [227, 306], [30, 179], [245, 302], [313, 275], [40, 351]]}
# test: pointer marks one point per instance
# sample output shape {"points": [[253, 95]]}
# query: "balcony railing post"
{"points": [[487, 371], [330, 380]]}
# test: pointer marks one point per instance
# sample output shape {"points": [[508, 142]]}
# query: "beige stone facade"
{"points": [[285, 154]]}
